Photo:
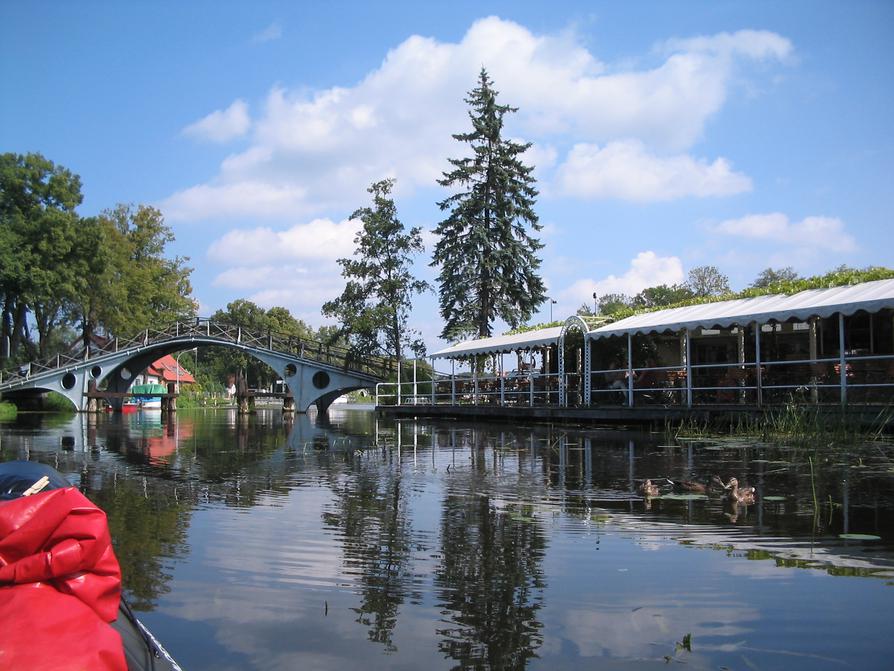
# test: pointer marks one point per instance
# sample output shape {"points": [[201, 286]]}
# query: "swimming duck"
{"points": [[698, 487], [649, 488], [744, 495]]}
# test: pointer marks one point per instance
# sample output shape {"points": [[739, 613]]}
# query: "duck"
{"points": [[697, 487], [744, 495], [649, 488]]}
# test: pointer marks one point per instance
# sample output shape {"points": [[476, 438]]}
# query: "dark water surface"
{"points": [[354, 543]]}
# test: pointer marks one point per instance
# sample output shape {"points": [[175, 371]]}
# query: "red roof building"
{"points": [[166, 370]]}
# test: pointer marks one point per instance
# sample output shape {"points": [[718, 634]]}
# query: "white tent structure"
{"points": [[826, 345]]}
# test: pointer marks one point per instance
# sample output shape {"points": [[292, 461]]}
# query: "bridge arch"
{"points": [[313, 372]]}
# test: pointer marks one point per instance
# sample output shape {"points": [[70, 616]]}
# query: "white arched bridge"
{"points": [[315, 373]]}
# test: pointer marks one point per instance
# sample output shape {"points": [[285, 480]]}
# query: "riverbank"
{"points": [[8, 411]]}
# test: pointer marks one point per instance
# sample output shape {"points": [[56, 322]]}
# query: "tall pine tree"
{"points": [[375, 304], [486, 251]]}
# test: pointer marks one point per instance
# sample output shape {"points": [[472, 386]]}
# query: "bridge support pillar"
{"points": [[92, 402]]}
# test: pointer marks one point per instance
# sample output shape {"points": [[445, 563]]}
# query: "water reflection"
{"points": [[271, 542]]}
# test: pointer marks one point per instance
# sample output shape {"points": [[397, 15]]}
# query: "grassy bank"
{"points": [[793, 423], [7, 411]]}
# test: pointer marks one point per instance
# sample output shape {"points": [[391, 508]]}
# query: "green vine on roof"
{"points": [[840, 277]]}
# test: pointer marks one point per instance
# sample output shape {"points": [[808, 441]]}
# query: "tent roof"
{"points": [[497, 344], [869, 296]]}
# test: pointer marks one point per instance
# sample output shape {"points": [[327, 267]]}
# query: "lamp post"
{"points": [[177, 359], [595, 303], [551, 303]]}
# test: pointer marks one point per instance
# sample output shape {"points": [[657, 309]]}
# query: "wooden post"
{"points": [[92, 402], [172, 398]]}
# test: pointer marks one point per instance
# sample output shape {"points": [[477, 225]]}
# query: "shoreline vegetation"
{"points": [[791, 422], [8, 411]]}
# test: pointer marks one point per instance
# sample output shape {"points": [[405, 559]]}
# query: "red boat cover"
{"points": [[60, 584]]}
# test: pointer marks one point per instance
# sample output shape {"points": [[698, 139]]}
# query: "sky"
{"points": [[665, 135]]}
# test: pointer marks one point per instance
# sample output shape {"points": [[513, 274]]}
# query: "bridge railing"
{"points": [[313, 350]]}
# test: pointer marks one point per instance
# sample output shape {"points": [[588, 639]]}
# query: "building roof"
{"points": [[869, 296], [498, 344], [166, 367]]}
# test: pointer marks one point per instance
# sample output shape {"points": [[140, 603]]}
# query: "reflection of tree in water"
{"points": [[149, 528], [370, 510], [491, 581]]}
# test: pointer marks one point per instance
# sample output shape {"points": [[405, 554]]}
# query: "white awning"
{"points": [[501, 344], [868, 296]]}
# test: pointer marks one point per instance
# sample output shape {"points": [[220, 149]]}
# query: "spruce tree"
{"points": [[375, 305], [486, 250]]}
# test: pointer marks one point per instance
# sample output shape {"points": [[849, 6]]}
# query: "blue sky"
{"points": [[665, 135]]}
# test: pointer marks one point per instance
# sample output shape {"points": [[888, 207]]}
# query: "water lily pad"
{"points": [[860, 537], [774, 498], [684, 497]]}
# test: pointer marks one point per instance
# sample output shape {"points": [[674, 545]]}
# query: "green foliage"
{"points": [[8, 411], [769, 276], [218, 364], [58, 270], [487, 256], [841, 276], [706, 281], [38, 232], [375, 305]]}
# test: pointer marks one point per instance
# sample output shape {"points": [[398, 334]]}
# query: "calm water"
{"points": [[351, 543]]}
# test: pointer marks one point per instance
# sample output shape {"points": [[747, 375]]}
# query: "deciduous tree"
{"points": [[376, 302]]}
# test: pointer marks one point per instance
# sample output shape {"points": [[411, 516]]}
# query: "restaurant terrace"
{"points": [[831, 346]]}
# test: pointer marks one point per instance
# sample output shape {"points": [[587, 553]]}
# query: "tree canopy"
{"points": [[376, 302], [59, 271], [486, 249]]}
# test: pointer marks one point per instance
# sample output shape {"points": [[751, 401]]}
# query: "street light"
{"points": [[551, 303], [177, 359], [595, 303]]}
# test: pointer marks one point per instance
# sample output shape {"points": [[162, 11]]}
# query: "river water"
{"points": [[351, 542]]}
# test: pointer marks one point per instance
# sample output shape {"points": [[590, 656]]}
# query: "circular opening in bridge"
{"points": [[68, 381], [320, 379], [95, 372], [125, 374], [291, 370]]}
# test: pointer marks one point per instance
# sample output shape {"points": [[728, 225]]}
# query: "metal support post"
{"points": [[842, 361], [688, 347], [629, 370], [758, 375]]}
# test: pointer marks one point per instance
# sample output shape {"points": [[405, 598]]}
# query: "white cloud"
{"points": [[249, 198], [269, 34], [626, 170], [646, 270], [754, 44], [321, 239], [816, 233], [222, 125], [329, 145]]}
